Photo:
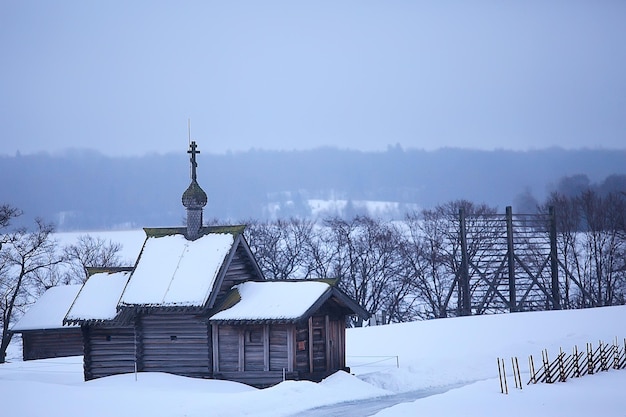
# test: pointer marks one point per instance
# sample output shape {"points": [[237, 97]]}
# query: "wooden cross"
{"points": [[192, 150]]}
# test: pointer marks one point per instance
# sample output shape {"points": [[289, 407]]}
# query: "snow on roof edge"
{"points": [[48, 312]]}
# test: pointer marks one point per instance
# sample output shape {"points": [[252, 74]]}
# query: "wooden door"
{"points": [[317, 337]]}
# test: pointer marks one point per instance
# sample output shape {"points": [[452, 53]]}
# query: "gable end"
{"points": [[239, 267]]}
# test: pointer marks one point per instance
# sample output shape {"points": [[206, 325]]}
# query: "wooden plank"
{"points": [[278, 348], [328, 341], [241, 352], [291, 336], [254, 347], [215, 347], [266, 348], [311, 344]]}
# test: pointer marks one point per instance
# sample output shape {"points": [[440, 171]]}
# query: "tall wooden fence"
{"points": [[508, 262]]}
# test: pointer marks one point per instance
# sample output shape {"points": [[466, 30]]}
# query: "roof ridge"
{"points": [[205, 230]]}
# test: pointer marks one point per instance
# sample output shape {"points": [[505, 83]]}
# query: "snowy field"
{"points": [[385, 360]]}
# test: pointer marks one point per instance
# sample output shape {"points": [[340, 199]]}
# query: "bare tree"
{"points": [[433, 254], [367, 260], [432, 282], [567, 227], [320, 252], [23, 254], [89, 251], [7, 213], [592, 247], [603, 245], [281, 247]]}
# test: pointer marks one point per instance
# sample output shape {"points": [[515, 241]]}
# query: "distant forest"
{"points": [[84, 190]]}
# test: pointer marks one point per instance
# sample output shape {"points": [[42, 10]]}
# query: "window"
{"points": [[173, 338], [254, 336]]}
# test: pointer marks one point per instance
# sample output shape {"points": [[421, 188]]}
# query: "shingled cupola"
{"points": [[194, 198]]}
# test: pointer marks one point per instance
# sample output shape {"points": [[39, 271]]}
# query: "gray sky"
{"points": [[123, 77]]}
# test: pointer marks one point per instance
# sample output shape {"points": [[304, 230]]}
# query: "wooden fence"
{"points": [[578, 363]]}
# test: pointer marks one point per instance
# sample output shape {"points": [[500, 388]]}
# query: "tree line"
{"points": [[408, 270], [400, 270], [89, 191]]}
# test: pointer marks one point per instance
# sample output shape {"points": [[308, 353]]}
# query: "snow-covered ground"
{"points": [[384, 360]]}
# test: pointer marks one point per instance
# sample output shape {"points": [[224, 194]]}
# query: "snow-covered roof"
{"points": [[174, 271], [273, 300], [98, 298], [49, 310]]}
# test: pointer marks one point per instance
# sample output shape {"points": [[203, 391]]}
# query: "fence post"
{"points": [[546, 366], [531, 366], [590, 365], [576, 364], [511, 259], [506, 385], [466, 309], [516, 373], [561, 370], [500, 377]]}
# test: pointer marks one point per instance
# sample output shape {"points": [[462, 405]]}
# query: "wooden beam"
{"points": [[216, 348], [266, 347], [463, 277], [241, 360], [328, 339], [511, 259], [311, 344], [291, 351], [342, 343]]}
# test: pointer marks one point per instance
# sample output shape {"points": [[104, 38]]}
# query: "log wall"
{"points": [[57, 343], [108, 351], [175, 343]]}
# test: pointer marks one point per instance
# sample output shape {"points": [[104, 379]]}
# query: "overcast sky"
{"points": [[123, 77]]}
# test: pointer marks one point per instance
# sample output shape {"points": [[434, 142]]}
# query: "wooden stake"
{"points": [[576, 364], [546, 366], [531, 365], [500, 377], [514, 373], [506, 386], [518, 379]]}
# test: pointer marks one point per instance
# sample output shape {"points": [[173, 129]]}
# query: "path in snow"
{"points": [[368, 407]]}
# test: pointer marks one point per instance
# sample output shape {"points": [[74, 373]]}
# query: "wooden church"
{"points": [[197, 304]]}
